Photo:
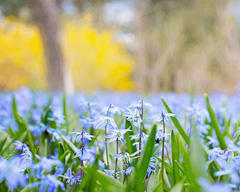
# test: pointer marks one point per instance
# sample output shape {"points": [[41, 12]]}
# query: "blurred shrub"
{"points": [[95, 59], [21, 55]]}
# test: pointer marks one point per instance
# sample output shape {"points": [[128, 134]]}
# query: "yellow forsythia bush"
{"points": [[95, 59], [21, 56]]}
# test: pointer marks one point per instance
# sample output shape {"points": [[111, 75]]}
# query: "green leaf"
{"points": [[31, 144], [215, 125], [144, 160], [60, 150], [177, 124], [70, 144], [3, 142], [108, 183], [175, 157], [22, 124], [165, 163], [62, 157], [197, 156], [178, 187], [130, 147], [7, 146]]}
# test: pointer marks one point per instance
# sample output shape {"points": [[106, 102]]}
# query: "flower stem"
{"points": [[162, 171], [106, 146], [141, 125], [82, 153], [124, 177], [115, 173]]}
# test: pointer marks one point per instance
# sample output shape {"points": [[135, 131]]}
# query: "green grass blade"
{"points": [[175, 157], [108, 183], [215, 125], [70, 144], [177, 124], [130, 147], [178, 187], [31, 144], [142, 165]]}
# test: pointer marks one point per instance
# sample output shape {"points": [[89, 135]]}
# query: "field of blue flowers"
{"points": [[119, 142]]}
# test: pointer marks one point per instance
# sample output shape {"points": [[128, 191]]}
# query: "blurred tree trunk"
{"points": [[46, 16]]}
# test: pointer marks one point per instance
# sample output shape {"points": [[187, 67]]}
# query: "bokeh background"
{"points": [[136, 45]]}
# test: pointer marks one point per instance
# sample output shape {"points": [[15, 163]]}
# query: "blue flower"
{"points": [[133, 115], [58, 117], [126, 157], [83, 134], [48, 183], [85, 122], [136, 137], [138, 106], [163, 116], [105, 121], [69, 176], [219, 187], [159, 135], [45, 164], [112, 110], [11, 173], [20, 146], [101, 165], [117, 134], [85, 153], [109, 172], [151, 166], [55, 133]]}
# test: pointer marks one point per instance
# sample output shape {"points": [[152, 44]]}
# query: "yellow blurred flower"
{"points": [[95, 59]]}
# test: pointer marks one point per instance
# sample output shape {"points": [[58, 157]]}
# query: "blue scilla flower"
{"points": [[48, 183], [56, 133], [112, 110], [133, 115], [109, 172], [128, 171], [141, 103], [20, 146], [151, 166], [69, 176], [198, 112], [105, 121], [136, 137], [85, 122], [25, 159], [45, 164], [219, 155], [219, 187], [203, 129], [163, 116], [11, 174], [85, 153], [58, 117], [159, 135], [2, 128], [37, 129], [117, 134], [82, 135], [212, 141], [229, 168], [101, 165], [126, 157]]}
